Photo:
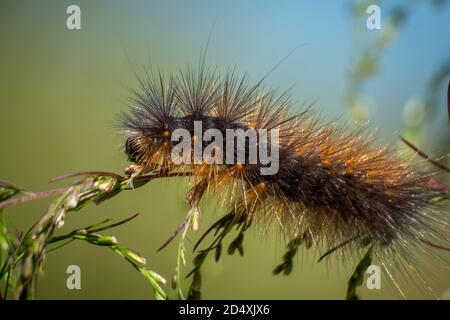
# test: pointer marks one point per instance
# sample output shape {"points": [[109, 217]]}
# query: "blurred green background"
{"points": [[61, 91]]}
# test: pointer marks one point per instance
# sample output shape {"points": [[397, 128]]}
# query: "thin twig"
{"points": [[85, 173], [32, 196], [425, 156], [434, 245], [431, 182], [38, 195], [71, 234], [218, 224], [167, 175], [60, 245], [113, 225], [9, 185], [175, 233], [348, 241]]}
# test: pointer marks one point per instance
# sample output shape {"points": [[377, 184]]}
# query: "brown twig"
{"points": [[425, 156], [434, 245], [9, 185], [174, 234], [167, 175], [85, 173], [32, 196], [433, 183], [333, 249]]}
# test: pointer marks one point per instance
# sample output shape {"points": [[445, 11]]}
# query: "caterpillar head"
{"points": [[149, 151], [132, 149]]}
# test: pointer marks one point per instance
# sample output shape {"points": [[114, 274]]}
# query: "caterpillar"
{"points": [[333, 183]]}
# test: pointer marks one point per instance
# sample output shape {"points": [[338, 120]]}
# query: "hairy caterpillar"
{"points": [[332, 184]]}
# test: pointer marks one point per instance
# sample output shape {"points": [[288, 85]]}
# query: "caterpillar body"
{"points": [[332, 182]]}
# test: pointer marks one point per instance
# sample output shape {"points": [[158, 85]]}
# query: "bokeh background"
{"points": [[61, 91]]}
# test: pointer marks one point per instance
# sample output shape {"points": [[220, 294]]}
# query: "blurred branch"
{"points": [[366, 65]]}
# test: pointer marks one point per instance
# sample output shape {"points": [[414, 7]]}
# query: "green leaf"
{"points": [[357, 277], [288, 257], [196, 286]]}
